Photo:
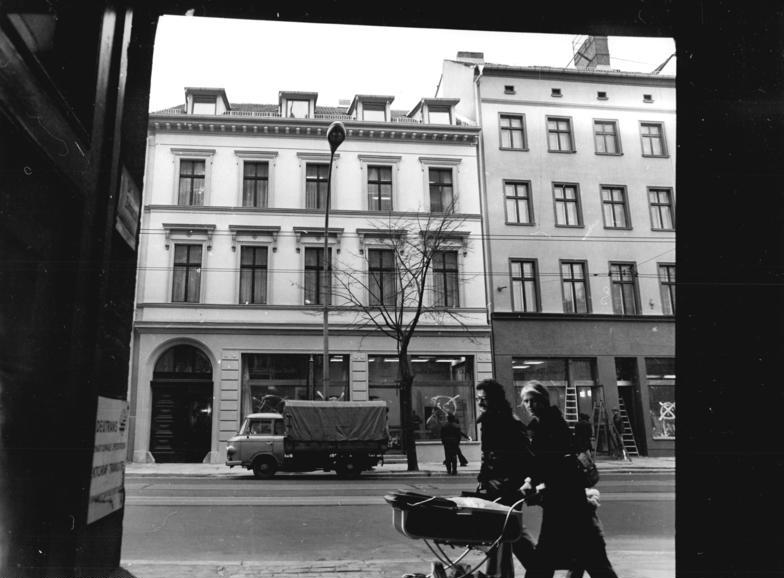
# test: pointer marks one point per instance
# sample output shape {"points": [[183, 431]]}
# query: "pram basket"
{"points": [[446, 521]]}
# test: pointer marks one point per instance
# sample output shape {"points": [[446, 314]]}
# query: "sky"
{"points": [[253, 60]]}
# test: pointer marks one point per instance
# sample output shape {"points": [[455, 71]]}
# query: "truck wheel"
{"points": [[264, 468], [348, 470]]}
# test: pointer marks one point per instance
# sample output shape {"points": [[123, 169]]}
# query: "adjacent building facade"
{"points": [[229, 297], [578, 186]]}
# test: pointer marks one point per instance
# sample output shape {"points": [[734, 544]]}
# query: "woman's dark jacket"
{"points": [[567, 515], [506, 455]]}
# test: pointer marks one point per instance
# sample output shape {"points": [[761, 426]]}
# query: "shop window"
{"points": [[270, 379], [555, 375], [660, 373], [443, 384]]}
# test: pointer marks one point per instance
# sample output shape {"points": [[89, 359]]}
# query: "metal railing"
{"points": [[317, 116]]}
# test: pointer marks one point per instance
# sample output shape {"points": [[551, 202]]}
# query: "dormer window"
{"points": [[435, 110], [297, 104], [439, 115], [297, 109], [206, 101], [374, 112], [370, 107], [203, 105]]}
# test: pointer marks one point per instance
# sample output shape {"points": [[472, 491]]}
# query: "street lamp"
{"points": [[336, 134]]}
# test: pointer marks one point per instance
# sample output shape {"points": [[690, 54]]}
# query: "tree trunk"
{"points": [[406, 381]]}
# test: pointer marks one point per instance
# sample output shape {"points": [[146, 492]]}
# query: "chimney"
{"points": [[471, 57], [593, 54]]}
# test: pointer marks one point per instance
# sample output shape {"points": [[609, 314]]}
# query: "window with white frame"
{"points": [[574, 284], [567, 205], [661, 207], [316, 181], [253, 274], [559, 135], [441, 183], [186, 278], [255, 184], [382, 275], [605, 135], [192, 169], [625, 296], [615, 208], [525, 291], [667, 283], [316, 291], [441, 190], [519, 206], [379, 188], [512, 129], [652, 135], [446, 291], [191, 187]]}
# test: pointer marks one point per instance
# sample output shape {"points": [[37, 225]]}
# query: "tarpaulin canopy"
{"points": [[335, 421]]}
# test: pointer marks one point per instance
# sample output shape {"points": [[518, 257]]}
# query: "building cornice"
{"points": [[300, 212], [592, 76], [510, 102], [311, 128], [590, 317]]}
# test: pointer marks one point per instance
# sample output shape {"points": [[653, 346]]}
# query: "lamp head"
{"points": [[336, 134]]}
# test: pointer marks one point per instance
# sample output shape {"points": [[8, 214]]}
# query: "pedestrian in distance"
{"points": [[617, 434], [571, 535], [460, 457], [450, 438], [506, 462]]}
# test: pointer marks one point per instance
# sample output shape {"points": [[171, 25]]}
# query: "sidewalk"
{"points": [[395, 468]]}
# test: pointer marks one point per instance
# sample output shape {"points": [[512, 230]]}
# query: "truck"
{"points": [[346, 437]]}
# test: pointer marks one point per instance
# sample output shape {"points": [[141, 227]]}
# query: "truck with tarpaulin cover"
{"points": [[346, 437]]}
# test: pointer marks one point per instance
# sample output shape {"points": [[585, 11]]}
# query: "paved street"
{"points": [[316, 525]]}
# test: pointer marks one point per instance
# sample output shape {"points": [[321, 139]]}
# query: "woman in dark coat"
{"points": [[571, 534], [506, 462]]}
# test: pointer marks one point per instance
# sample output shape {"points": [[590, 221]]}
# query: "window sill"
{"points": [[512, 224], [609, 154], [557, 226], [655, 156], [662, 230], [561, 152], [606, 228], [520, 150]]}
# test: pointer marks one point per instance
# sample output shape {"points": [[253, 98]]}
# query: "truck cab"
{"points": [[258, 445]]}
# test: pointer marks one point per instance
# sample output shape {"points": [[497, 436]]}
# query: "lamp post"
{"points": [[336, 134]]}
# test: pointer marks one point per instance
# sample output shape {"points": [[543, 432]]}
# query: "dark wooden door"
{"points": [[181, 421]]}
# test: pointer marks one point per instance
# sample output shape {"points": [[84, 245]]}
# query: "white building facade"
{"points": [[578, 180], [229, 307]]}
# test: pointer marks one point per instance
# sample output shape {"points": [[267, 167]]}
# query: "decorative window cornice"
{"points": [[254, 232], [380, 234], [315, 235], [187, 231]]}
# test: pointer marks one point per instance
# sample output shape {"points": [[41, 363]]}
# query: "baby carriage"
{"points": [[468, 522]]}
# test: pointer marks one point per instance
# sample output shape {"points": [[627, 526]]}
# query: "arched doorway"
{"points": [[181, 421]]}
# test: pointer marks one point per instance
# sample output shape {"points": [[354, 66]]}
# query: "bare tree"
{"points": [[390, 296]]}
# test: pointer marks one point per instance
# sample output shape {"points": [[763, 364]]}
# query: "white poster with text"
{"points": [[107, 491]]}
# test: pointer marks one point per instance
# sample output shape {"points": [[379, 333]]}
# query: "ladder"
{"points": [[627, 435], [599, 424], [570, 409]]}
